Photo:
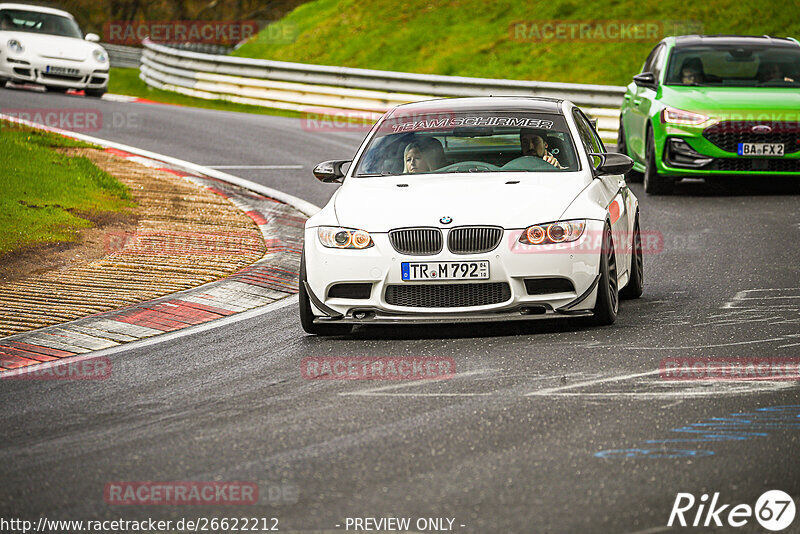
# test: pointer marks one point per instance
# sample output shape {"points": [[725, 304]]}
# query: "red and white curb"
{"points": [[272, 278]]}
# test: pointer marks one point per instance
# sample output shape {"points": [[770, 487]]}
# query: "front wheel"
{"points": [[607, 305], [655, 183], [94, 93], [636, 280], [307, 315]]}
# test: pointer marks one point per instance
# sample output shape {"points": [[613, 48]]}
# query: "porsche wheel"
{"points": [[655, 183], [636, 281], [607, 305], [307, 316], [94, 93]]}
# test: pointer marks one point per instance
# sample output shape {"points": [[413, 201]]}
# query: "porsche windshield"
{"points": [[743, 66], [17, 20], [474, 141]]}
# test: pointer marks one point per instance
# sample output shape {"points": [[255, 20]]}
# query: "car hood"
{"points": [[53, 46], [747, 103], [382, 203]]}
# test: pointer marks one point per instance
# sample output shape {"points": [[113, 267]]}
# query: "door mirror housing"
{"points": [[645, 79], [92, 38], [612, 163], [330, 171]]}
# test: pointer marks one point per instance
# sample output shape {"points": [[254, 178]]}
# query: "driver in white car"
{"points": [[534, 144]]}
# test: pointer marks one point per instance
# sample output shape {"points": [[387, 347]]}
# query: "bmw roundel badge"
{"points": [[446, 220]]}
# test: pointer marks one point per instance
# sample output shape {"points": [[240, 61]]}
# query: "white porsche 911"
{"points": [[472, 210], [45, 46]]}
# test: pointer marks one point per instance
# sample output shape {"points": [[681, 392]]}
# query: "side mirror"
{"points": [[330, 171], [92, 37], [645, 79], [612, 163]]}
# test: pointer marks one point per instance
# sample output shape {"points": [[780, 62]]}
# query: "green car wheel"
{"points": [[655, 183]]}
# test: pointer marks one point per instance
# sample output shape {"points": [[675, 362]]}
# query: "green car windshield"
{"points": [[738, 66], [475, 142]]}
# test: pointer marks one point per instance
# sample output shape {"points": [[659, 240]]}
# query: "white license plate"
{"points": [[445, 270], [62, 71], [760, 149]]}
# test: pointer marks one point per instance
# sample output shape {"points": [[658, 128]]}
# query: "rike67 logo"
{"points": [[774, 510]]}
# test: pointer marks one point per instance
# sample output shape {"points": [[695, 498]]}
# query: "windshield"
{"points": [[476, 141], [15, 20], [741, 66]]}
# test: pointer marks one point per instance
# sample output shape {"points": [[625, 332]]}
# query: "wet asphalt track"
{"points": [[520, 440]]}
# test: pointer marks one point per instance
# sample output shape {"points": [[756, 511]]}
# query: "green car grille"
{"points": [[728, 134]]}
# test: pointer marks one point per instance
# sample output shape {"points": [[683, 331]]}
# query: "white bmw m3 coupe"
{"points": [[45, 46], [473, 210]]}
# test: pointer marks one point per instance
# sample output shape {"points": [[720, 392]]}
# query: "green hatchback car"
{"points": [[707, 106]]}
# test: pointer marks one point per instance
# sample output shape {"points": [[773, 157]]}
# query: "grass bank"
{"points": [[46, 196], [484, 39]]}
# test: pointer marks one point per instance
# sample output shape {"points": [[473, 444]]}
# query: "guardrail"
{"points": [[127, 57], [326, 89]]}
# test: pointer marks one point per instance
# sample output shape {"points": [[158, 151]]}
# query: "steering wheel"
{"points": [[469, 166]]}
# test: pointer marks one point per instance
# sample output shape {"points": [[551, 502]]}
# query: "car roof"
{"points": [[682, 41], [484, 103], [38, 9]]}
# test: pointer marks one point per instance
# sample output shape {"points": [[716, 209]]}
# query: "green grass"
{"points": [[127, 82], [473, 37], [45, 195]]}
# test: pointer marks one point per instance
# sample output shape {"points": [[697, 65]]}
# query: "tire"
{"points": [[654, 183], [631, 176], [94, 93], [607, 305], [307, 316], [636, 280]]}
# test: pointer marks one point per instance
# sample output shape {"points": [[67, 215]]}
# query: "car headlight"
{"points": [[552, 233], [100, 56], [15, 46], [679, 116], [344, 238]]}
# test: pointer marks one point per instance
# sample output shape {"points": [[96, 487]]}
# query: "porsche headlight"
{"points": [[15, 46], [552, 233], [331, 237], [678, 116], [100, 56]]}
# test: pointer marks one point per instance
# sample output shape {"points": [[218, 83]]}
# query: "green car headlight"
{"points": [[678, 116]]}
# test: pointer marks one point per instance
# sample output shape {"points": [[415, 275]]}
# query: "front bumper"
{"points": [[710, 159], [33, 69], [510, 263]]}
